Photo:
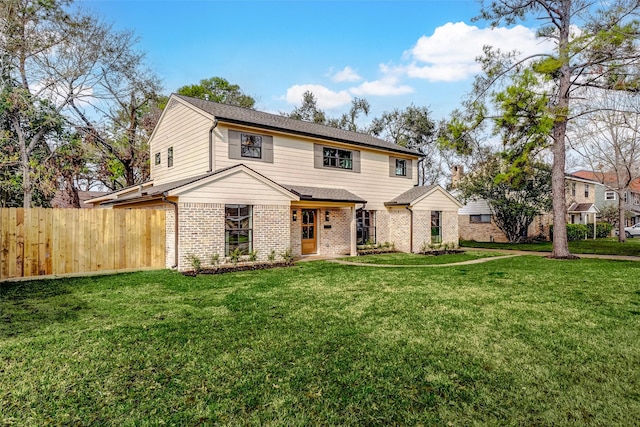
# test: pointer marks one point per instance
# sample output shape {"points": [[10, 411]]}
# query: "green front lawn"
{"points": [[420, 259], [519, 341], [608, 246]]}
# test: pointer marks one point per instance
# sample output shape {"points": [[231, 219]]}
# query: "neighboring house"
{"points": [[607, 195], [233, 178], [61, 199], [475, 221]]}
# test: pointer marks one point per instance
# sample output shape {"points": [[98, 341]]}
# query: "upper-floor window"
{"points": [[337, 158], [399, 167], [157, 158], [170, 156], [636, 199], [586, 190], [626, 197], [478, 219], [251, 146], [328, 157], [573, 189], [610, 195]]}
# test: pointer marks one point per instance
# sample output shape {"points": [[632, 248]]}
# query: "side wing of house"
{"points": [[179, 143], [233, 209]]}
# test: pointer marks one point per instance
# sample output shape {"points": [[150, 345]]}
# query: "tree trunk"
{"points": [[560, 241], [27, 185], [621, 219]]}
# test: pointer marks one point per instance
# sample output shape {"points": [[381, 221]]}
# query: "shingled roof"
{"points": [[410, 195], [244, 116], [324, 194]]}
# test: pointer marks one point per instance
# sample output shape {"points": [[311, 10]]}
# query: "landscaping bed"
{"points": [[231, 268]]}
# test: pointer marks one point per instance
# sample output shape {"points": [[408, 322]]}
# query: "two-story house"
{"points": [[607, 193], [233, 178]]}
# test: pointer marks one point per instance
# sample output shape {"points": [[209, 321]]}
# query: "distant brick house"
{"points": [[475, 220], [233, 178]]}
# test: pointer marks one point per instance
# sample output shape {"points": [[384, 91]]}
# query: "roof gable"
{"points": [[418, 193]]}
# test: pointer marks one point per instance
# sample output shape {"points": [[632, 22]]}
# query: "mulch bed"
{"points": [[375, 251], [230, 268], [442, 252]]}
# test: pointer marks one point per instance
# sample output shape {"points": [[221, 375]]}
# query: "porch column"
{"points": [[354, 249]]}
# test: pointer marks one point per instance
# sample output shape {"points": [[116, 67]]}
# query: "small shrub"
{"points": [[195, 262], [234, 256], [603, 229], [253, 256], [287, 256], [215, 260], [272, 256]]}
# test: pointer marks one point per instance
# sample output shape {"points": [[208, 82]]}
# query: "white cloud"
{"points": [[449, 54], [327, 99], [386, 86], [348, 74]]}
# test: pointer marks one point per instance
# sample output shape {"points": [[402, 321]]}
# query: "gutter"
{"points": [[175, 228], [410, 228]]}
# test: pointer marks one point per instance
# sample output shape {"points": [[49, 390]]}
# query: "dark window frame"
{"points": [[158, 158], [480, 219], [401, 166], [365, 227], [238, 225], [337, 158], [436, 227], [251, 146], [586, 190], [170, 157]]}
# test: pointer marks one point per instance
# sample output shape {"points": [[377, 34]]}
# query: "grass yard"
{"points": [[519, 341], [420, 259], [607, 246]]}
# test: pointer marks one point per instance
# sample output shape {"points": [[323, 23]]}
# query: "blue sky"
{"points": [[393, 53]]}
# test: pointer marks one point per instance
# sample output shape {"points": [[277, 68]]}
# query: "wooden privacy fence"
{"points": [[41, 241]]}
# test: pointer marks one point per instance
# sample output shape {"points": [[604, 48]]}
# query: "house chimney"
{"points": [[456, 174]]}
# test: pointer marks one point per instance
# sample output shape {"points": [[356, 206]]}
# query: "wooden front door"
{"points": [[309, 231]]}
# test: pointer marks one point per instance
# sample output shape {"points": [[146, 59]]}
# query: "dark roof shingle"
{"points": [[410, 195], [245, 116], [324, 194]]}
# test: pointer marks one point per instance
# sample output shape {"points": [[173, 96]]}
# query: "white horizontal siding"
{"points": [[187, 131], [236, 188], [478, 207], [437, 201], [293, 164]]}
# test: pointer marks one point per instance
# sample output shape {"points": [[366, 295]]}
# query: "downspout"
{"points": [[410, 228], [211, 136], [420, 160], [175, 229]]}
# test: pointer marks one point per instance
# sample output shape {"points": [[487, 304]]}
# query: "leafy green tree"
{"points": [[595, 45], [55, 70], [514, 203], [348, 120], [218, 89], [413, 128], [308, 111]]}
